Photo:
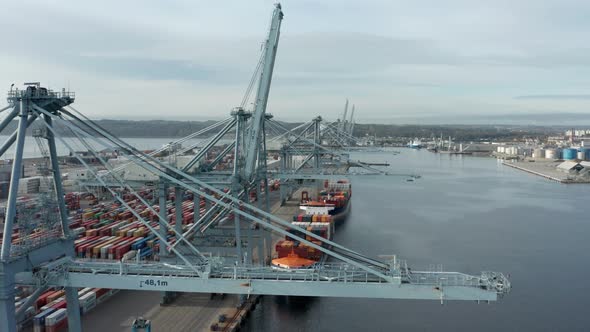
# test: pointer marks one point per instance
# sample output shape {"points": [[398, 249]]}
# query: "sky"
{"points": [[192, 60]]}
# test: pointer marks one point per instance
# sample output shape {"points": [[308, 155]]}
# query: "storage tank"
{"points": [[552, 154], [501, 149], [580, 155], [585, 153], [569, 154], [538, 153], [512, 150]]}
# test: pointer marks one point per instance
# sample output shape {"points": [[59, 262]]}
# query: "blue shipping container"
{"points": [[39, 319]]}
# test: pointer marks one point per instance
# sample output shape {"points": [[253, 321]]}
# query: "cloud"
{"points": [[147, 69], [389, 58]]}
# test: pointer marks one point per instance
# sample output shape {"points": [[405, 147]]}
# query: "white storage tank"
{"points": [[511, 150], [538, 153], [552, 154], [580, 155]]}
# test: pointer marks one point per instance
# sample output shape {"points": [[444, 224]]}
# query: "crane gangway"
{"points": [[329, 279]]}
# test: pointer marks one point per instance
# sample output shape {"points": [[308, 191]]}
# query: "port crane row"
{"points": [[183, 265]]}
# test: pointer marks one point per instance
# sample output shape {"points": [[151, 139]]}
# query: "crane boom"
{"points": [[254, 132], [349, 124], [341, 126]]}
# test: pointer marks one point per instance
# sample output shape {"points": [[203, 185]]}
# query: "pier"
{"points": [[547, 171]]}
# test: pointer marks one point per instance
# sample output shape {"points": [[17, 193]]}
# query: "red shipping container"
{"points": [[42, 300], [60, 305]]}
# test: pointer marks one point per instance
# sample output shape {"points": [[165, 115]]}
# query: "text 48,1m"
{"points": [[153, 283]]}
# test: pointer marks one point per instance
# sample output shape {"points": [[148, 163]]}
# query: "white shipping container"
{"points": [[104, 251], [56, 317], [85, 309], [79, 230], [88, 305], [88, 297], [129, 255], [86, 290]]}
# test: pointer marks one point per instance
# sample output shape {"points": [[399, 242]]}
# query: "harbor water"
{"points": [[468, 214]]}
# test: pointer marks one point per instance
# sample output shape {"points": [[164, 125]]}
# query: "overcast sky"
{"points": [[193, 59]]}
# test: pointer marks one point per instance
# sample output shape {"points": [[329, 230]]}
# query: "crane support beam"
{"points": [[8, 119], [209, 145], [20, 134], [221, 155], [277, 287], [324, 280], [12, 138]]}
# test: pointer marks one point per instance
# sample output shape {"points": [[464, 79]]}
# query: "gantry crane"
{"points": [[51, 262]]}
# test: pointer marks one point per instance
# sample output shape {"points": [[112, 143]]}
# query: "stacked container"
{"points": [[56, 321], [87, 302]]}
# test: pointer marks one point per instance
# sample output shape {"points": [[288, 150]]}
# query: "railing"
{"points": [[341, 273], [488, 280], [40, 93]]}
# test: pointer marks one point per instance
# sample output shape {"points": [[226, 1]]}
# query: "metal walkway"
{"points": [[331, 279]]}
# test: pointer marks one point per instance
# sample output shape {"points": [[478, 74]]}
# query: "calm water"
{"points": [[469, 214]]}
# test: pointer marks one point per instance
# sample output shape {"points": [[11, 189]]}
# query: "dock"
{"points": [[548, 171]]}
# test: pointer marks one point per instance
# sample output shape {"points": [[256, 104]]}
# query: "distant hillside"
{"points": [[177, 129], [460, 132], [147, 128]]}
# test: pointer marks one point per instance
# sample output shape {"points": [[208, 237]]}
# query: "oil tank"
{"points": [[513, 151], [538, 153], [552, 154], [585, 153], [569, 154], [580, 155]]}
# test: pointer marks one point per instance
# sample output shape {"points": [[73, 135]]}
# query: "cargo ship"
{"points": [[319, 216]]}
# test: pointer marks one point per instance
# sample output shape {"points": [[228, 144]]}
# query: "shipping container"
{"points": [[39, 320]]}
